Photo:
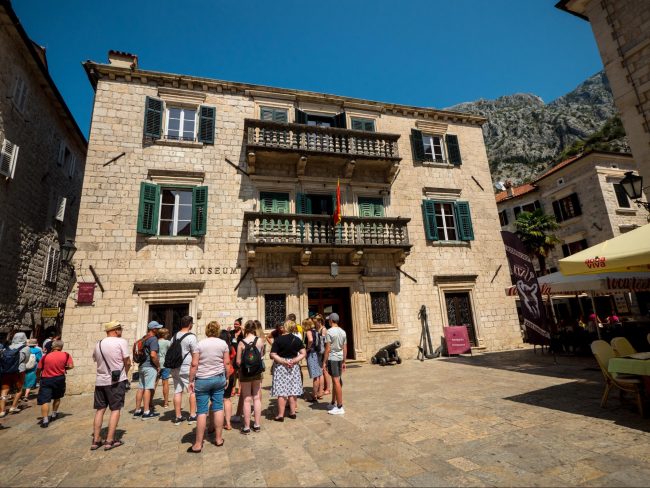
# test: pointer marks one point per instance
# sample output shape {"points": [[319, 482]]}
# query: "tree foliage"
{"points": [[535, 231]]}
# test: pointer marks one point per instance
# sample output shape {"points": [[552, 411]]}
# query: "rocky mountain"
{"points": [[524, 135]]}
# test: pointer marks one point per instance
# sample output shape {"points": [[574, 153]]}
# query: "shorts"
{"points": [[209, 390], [147, 377], [51, 389], [335, 368], [227, 393], [165, 373], [181, 380], [111, 396], [13, 379]]}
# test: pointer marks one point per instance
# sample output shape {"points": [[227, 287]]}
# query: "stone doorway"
{"points": [[333, 300], [169, 314], [459, 312]]}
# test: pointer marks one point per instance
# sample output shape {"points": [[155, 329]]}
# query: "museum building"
{"points": [[216, 199]]}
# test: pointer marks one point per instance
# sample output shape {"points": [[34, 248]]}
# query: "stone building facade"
{"points": [[584, 195], [622, 32], [41, 174], [215, 198]]}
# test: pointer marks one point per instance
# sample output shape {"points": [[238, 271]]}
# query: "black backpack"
{"points": [[10, 360], [251, 362], [174, 357]]}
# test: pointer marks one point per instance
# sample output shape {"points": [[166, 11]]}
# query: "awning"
{"points": [[559, 284], [629, 252]]}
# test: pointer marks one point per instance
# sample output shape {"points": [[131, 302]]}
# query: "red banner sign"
{"points": [[457, 339], [86, 293]]}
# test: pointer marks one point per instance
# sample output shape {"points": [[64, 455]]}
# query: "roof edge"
{"points": [[562, 5]]}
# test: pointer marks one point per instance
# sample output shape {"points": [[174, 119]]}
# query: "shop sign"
{"points": [[457, 339], [86, 293], [50, 313]]}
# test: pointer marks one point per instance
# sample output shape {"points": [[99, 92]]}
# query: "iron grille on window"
{"points": [[275, 310], [380, 307]]}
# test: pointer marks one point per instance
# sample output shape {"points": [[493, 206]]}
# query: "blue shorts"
{"points": [[165, 373], [209, 390], [147, 377]]}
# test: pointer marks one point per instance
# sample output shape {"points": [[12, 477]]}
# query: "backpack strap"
{"points": [[181, 340], [103, 357]]}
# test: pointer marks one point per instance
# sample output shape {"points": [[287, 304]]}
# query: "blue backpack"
{"points": [[10, 360]]}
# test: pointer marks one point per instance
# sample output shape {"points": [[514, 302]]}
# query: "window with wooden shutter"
{"points": [[60, 161], [72, 165], [60, 209], [417, 145], [371, 207], [503, 217], [149, 208], [300, 117], [358, 123], [340, 121], [51, 268], [464, 221], [429, 215], [273, 114], [621, 196], [153, 118], [207, 117], [8, 158], [453, 149], [199, 210], [567, 208], [19, 97]]}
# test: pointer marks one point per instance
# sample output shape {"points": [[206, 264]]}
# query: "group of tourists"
{"points": [[25, 366], [209, 371]]}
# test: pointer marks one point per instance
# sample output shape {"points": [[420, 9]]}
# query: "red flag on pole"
{"points": [[337, 211]]}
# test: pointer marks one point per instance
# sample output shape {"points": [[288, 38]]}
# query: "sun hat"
{"points": [[114, 324]]}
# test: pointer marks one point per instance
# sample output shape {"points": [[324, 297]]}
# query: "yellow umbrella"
{"points": [[627, 252]]}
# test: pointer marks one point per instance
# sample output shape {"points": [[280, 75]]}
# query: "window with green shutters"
{"points": [[447, 220], [179, 123], [363, 124], [273, 202], [274, 114], [431, 148], [371, 207], [172, 211]]}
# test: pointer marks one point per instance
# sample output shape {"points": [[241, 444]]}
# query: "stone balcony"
{"points": [[306, 232], [269, 143]]}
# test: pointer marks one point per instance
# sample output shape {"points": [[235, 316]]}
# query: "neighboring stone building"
{"points": [[622, 31], [215, 198], [586, 198], [41, 173]]}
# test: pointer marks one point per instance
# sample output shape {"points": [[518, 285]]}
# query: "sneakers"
{"points": [[150, 415], [337, 411], [53, 416], [137, 413], [178, 420], [14, 410], [331, 406], [191, 420], [44, 425], [245, 430], [256, 428]]}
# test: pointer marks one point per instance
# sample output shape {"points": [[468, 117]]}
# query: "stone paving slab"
{"points": [[501, 419]]}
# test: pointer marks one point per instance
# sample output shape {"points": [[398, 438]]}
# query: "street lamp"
{"points": [[67, 251], [633, 186]]}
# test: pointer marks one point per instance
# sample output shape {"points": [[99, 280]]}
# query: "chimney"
{"points": [[509, 190], [121, 59]]}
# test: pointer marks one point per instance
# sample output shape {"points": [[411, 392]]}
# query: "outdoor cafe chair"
{"points": [[603, 353], [622, 347]]}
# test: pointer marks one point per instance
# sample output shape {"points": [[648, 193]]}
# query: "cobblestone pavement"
{"points": [[501, 419]]}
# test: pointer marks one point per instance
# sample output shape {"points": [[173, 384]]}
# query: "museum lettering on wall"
{"points": [[214, 270]]}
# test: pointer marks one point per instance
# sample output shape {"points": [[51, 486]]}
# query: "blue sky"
{"points": [[428, 53]]}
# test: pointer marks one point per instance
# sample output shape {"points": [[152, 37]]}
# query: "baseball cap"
{"points": [[154, 325], [333, 316], [115, 324]]}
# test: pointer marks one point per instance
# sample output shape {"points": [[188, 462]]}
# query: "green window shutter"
{"points": [[417, 145], [199, 210], [453, 149], [149, 208], [301, 117], [357, 124], [266, 202], [206, 124], [340, 121], [303, 204], [576, 204], [371, 207], [464, 221], [429, 215], [271, 202], [279, 115], [266, 113], [153, 115]]}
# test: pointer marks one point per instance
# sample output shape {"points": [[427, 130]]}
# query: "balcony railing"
{"points": [[325, 140], [319, 230]]}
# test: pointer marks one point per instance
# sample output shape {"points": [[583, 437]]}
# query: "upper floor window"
{"points": [[19, 97], [359, 123], [51, 268], [574, 247], [172, 211], [431, 148], [8, 158], [621, 196], [567, 208], [179, 123], [321, 120], [371, 207], [503, 217], [447, 221], [274, 114], [529, 207]]}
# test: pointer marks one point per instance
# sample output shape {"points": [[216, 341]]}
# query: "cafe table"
{"points": [[638, 364]]}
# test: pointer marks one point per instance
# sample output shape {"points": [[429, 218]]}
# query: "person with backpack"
{"points": [[145, 353], [249, 359], [53, 367], [314, 345], [179, 359], [35, 355], [13, 363], [287, 352]]}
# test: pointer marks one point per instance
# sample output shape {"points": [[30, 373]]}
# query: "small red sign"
{"points": [[86, 293], [457, 339]]}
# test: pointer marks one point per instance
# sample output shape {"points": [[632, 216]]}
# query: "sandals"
{"points": [[96, 444], [191, 450], [227, 427], [108, 445], [220, 444], [292, 416], [278, 419]]}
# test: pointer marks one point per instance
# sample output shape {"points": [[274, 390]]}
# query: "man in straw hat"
{"points": [[113, 363]]}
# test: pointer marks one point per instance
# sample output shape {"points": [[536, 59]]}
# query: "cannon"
{"points": [[387, 354]]}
